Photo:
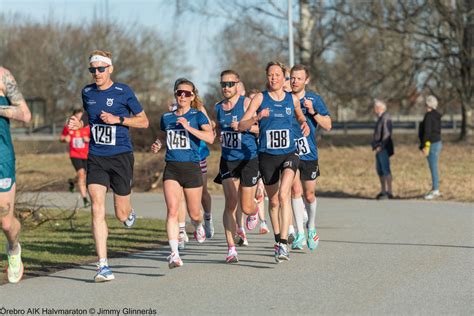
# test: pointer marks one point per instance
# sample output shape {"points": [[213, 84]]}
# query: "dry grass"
{"points": [[346, 172]]}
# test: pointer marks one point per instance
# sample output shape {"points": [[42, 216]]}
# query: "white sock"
{"points": [[298, 209], [182, 227], [312, 214], [291, 230], [103, 262], [174, 245]]}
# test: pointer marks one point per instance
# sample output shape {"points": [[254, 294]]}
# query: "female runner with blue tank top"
{"points": [[184, 129], [238, 168], [276, 110]]}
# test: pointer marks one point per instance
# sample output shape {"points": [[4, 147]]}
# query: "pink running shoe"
{"points": [[232, 256], [200, 234], [252, 221]]}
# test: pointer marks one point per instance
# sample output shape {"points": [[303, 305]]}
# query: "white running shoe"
{"points": [[130, 221], [243, 241], [264, 228], [200, 234], [432, 194], [181, 241], [174, 261], [15, 266]]}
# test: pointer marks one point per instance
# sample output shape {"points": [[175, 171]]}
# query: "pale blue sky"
{"points": [[195, 32]]}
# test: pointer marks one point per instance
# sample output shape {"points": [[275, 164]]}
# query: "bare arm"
{"points": [[138, 121], [249, 117], [205, 134], [324, 121], [300, 117], [19, 109]]}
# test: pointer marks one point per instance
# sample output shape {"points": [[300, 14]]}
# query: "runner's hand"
{"points": [[109, 118], [74, 123], [67, 139], [184, 122], [264, 113], [308, 104], [305, 129], [156, 146], [235, 126]]}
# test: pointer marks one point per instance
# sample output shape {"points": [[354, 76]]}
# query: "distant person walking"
{"points": [[430, 142], [382, 144]]}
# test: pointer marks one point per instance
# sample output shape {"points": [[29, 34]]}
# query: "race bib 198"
{"points": [[278, 138], [231, 140], [302, 146], [177, 139], [104, 134]]}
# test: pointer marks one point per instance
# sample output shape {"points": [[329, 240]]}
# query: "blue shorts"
{"points": [[382, 162], [7, 175]]}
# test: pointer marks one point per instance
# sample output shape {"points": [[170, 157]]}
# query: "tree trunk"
{"points": [[305, 29]]}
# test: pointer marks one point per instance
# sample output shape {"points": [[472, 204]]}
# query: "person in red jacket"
{"points": [[78, 150]]}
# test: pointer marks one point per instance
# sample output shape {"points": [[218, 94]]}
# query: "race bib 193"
{"points": [[278, 138], [302, 146], [231, 140], [177, 139], [104, 134]]}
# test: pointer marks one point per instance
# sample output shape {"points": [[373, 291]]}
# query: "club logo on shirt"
{"points": [[234, 118], [288, 111], [110, 102]]}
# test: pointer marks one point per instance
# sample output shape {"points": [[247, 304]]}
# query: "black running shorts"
{"points": [[115, 172], [245, 170], [187, 174], [272, 165], [309, 170], [79, 163]]}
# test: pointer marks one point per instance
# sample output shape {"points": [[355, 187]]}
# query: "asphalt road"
{"points": [[375, 257]]}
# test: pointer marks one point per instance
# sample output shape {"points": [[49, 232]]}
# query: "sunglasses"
{"points": [[186, 93], [101, 69], [287, 78], [228, 84]]}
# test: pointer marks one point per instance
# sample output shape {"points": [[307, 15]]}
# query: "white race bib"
{"points": [[278, 139], [78, 143], [104, 134], [231, 140], [177, 139], [302, 146]]}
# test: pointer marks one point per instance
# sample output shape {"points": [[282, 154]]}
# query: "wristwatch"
{"points": [[121, 118], [315, 112]]}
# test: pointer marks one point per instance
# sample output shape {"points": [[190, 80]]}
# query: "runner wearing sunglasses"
{"points": [[112, 108], [183, 130], [276, 110], [238, 166]]}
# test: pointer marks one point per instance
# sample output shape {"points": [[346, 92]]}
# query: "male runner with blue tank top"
{"points": [[316, 112], [12, 107], [276, 110], [238, 168], [112, 108]]}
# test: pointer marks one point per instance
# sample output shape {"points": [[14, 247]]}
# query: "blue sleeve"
{"points": [[202, 119], [320, 106], [132, 102], [162, 123]]}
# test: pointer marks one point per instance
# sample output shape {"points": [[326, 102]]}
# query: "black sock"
{"points": [[277, 238], [284, 241]]}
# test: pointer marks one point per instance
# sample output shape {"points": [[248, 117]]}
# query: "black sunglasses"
{"points": [[228, 84], [186, 93], [101, 69]]}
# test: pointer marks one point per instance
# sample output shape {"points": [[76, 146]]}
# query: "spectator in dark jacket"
{"points": [[430, 142], [382, 144]]}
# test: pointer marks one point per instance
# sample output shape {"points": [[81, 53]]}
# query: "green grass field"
{"points": [[55, 245]]}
